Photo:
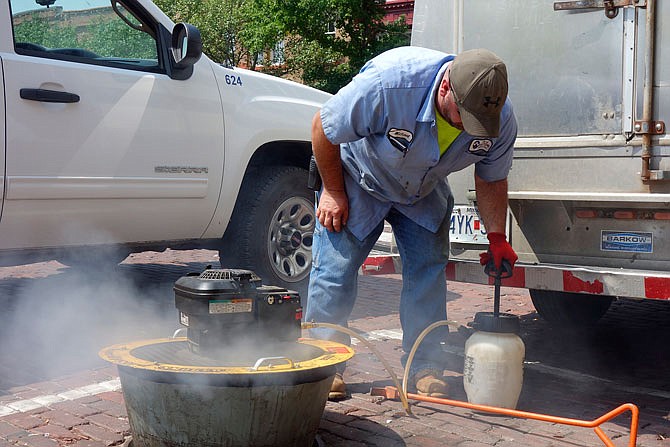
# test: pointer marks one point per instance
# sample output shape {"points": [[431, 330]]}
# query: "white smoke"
{"points": [[56, 325]]}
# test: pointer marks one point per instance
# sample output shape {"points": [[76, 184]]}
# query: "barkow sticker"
{"points": [[626, 241]]}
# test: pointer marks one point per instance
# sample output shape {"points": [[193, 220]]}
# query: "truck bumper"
{"points": [[564, 278]]}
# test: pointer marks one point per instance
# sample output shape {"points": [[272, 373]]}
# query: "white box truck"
{"points": [[116, 133], [589, 190]]}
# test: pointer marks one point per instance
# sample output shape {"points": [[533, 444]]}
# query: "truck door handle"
{"points": [[42, 95], [610, 6]]}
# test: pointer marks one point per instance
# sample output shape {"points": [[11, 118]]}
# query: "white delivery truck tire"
{"points": [[272, 228]]}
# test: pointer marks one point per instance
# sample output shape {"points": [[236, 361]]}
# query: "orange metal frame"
{"points": [[391, 392]]}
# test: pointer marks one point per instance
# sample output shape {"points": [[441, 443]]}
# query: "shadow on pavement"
{"points": [[357, 429], [628, 345]]}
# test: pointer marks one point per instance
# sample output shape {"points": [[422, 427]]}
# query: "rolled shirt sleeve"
{"points": [[356, 111]]}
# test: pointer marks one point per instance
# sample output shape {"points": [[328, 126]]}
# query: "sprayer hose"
{"points": [[412, 352], [403, 396]]}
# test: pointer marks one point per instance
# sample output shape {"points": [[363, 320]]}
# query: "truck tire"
{"points": [[569, 309], [272, 227]]}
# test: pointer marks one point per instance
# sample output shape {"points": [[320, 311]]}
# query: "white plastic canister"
{"points": [[493, 369]]}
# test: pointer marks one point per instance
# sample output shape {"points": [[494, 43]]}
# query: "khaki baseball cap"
{"points": [[478, 80]]}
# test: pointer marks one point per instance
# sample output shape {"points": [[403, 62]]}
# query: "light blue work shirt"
{"points": [[384, 122]]}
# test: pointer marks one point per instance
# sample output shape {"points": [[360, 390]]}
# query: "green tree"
{"points": [[263, 32], [103, 34], [45, 31], [249, 31], [116, 39], [220, 22], [329, 60]]}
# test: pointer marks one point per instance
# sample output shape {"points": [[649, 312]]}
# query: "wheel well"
{"points": [[281, 153], [276, 153]]}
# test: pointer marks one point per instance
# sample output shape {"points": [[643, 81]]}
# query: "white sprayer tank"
{"points": [[493, 369]]}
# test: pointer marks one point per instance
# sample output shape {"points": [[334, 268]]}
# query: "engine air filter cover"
{"points": [[230, 307]]}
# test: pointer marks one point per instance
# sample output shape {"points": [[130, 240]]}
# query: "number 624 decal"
{"points": [[233, 80]]}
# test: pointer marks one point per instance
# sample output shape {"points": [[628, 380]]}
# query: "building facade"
{"points": [[398, 8]]}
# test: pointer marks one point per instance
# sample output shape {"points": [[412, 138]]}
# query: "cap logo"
{"points": [[489, 102]]}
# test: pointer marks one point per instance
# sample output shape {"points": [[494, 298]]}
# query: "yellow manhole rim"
{"points": [[122, 354]]}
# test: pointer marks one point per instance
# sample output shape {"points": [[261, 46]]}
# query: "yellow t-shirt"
{"points": [[446, 133]]}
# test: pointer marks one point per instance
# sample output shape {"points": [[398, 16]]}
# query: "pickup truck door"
{"points": [[102, 145]]}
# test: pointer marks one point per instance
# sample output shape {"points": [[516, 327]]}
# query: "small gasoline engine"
{"points": [[230, 308]]}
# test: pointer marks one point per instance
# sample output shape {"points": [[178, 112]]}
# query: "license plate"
{"points": [[466, 226]]}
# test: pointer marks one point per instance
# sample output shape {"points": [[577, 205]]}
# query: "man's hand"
{"points": [[333, 209], [499, 249]]}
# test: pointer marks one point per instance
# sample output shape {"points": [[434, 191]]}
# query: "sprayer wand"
{"points": [[504, 272]]}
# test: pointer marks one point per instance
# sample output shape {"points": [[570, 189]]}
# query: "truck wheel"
{"points": [[569, 309], [272, 228]]}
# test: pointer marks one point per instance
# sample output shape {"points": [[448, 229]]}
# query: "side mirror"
{"points": [[186, 45]]}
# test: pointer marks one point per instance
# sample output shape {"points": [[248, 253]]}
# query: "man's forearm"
{"points": [[492, 203], [333, 208], [327, 157]]}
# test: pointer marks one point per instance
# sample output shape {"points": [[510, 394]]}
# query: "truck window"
{"points": [[93, 31]]}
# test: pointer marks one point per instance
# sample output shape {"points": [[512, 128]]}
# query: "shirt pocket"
{"points": [[391, 153]]}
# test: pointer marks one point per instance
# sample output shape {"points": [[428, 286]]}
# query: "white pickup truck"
{"points": [[116, 133]]}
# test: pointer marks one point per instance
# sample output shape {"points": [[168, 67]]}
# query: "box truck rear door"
{"points": [[566, 67]]}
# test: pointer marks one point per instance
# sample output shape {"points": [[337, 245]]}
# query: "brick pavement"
{"points": [[84, 407]]}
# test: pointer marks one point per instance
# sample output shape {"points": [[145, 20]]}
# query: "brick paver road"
{"points": [[54, 391]]}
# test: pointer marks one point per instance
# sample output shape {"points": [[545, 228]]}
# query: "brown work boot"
{"points": [[338, 390], [429, 382]]}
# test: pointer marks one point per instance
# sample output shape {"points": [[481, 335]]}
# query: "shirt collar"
{"points": [[427, 112]]}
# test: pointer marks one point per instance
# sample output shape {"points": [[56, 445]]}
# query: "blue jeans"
{"points": [[333, 286]]}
